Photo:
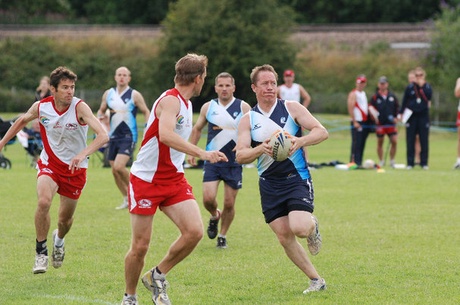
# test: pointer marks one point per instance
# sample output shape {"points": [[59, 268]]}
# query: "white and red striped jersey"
{"points": [[157, 162], [62, 134]]}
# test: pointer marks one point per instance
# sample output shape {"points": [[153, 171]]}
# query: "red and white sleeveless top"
{"points": [[157, 162], [62, 134], [360, 111]]}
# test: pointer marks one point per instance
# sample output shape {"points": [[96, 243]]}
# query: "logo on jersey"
{"points": [[44, 120], [58, 125], [71, 126], [283, 120], [180, 122], [256, 126], [235, 114], [215, 113], [144, 203]]}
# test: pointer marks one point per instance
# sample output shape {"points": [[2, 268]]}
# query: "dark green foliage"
{"points": [[235, 35]]}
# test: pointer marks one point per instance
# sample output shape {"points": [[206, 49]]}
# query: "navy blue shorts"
{"points": [[123, 146], [279, 197], [233, 176]]}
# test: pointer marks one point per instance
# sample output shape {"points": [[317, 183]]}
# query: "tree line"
{"points": [[154, 12]]}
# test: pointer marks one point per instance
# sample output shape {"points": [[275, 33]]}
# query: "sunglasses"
{"points": [[418, 75]]}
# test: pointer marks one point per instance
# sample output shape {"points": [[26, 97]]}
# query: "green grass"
{"points": [[390, 238]]}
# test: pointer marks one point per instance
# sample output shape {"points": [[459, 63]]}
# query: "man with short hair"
{"points": [[222, 116], [123, 103], [157, 180], [285, 187], [384, 104], [64, 120], [292, 91]]}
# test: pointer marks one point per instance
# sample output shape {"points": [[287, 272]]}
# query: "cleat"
{"points": [[57, 257], [157, 286], [457, 166], [41, 264], [221, 242], [314, 240], [122, 206], [316, 285], [212, 228], [129, 300]]}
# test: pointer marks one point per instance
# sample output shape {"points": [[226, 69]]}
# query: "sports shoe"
{"points": [[316, 285], [314, 240], [425, 167], [129, 300], [41, 263], [122, 206], [157, 286], [212, 227], [457, 166], [58, 253], [221, 242], [409, 167]]}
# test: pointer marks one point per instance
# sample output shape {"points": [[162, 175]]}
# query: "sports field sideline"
{"points": [[388, 238]]}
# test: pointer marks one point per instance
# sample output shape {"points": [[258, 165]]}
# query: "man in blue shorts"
{"points": [[286, 188], [222, 116], [123, 103]]}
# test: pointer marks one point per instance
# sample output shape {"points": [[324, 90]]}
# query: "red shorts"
{"points": [[68, 186], [144, 197], [458, 119], [383, 130]]}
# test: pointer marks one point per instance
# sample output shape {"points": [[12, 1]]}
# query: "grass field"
{"points": [[388, 238]]}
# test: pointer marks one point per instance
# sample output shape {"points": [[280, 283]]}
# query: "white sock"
{"points": [[458, 160], [220, 235], [58, 242]]}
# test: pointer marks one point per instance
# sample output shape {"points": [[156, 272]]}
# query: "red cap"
{"points": [[361, 79], [289, 73]]}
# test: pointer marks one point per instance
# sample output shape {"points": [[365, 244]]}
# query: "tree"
{"points": [[445, 46], [236, 35]]}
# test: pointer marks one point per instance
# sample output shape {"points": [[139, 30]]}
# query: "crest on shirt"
{"points": [[44, 120]]}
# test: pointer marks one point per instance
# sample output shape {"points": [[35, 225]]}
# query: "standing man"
{"points": [[359, 117], [417, 99], [64, 121], [291, 91], [157, 181], [457, 95], [123, 103], [386, 105], [286, 188], [222, 116]]}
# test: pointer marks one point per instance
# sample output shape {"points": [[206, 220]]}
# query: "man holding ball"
{"points": [[285, 187]]}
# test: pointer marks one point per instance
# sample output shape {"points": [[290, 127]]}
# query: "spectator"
{"points": [[360, 121], [43, 89], [292, 91], [457, 94], [386, 107], [416, 105]]}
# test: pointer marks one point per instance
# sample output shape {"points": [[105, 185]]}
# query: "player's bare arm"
{"points": [[306, 98], [317, 133], [196, 131], [166, 111], [141, 105], [244, 152], [103, 107], [457, 88], [19, 124], [86, 116]]}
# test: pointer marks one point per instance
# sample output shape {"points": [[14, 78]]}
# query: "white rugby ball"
{"points": [[280, 141]]}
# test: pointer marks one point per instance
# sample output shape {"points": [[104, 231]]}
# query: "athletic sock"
{"points": [[217, 216], [224, 236], [40, 247], [58, 242], [458, 160], [158, 275]]}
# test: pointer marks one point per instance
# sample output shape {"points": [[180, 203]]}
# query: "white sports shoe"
{"points": [[129, 300], [58, 253], [41, 263], [157, 285], [316, 285], [122, 206], [314, 240]]}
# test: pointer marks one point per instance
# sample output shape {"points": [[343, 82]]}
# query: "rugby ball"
{"points": [[280, 141]]}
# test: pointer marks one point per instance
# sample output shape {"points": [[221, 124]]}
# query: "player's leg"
{"points": [[393, 147], [410, 142], [294, 250], [46, 189], [228, 213], [186, 216], [121, 173], [141, 226], [457, 164], [380, 140]]}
